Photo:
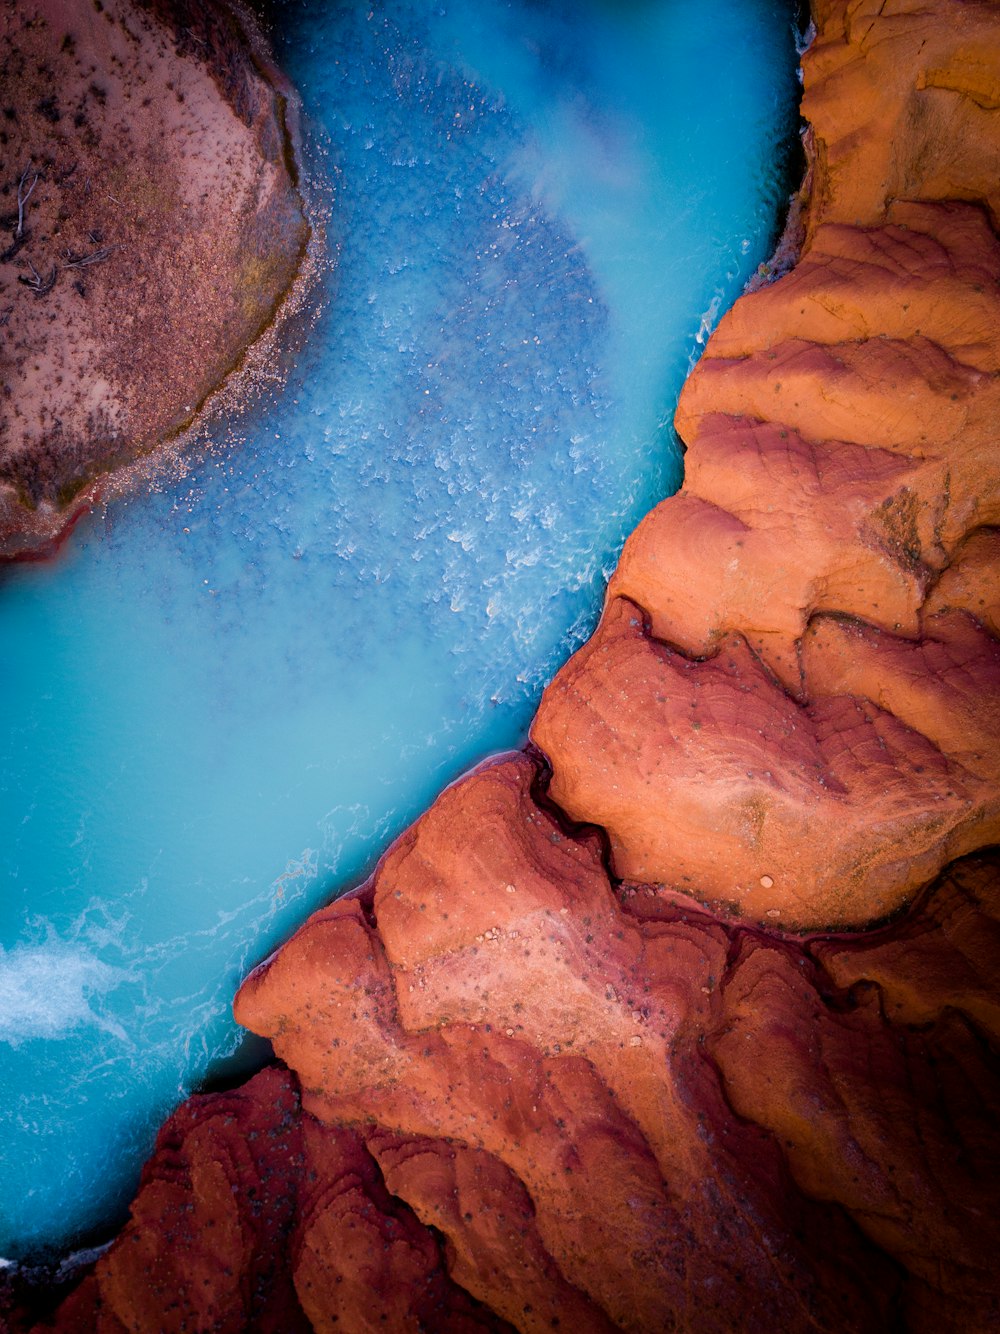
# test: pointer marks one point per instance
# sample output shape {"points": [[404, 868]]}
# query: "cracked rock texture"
{"points": [[159, 228], [593, 1049]]}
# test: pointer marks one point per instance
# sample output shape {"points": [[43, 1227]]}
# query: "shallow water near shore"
{"points": [[223, 699]]}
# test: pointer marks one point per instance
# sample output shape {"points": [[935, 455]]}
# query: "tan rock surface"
{"points": [[159, 228]]}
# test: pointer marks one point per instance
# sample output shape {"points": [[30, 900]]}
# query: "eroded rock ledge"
{"points": [[559, 1063], [150, 226], [533, 1098], [796, 652]]}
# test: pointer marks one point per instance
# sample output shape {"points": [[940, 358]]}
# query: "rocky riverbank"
{"points": [[150, 227]]}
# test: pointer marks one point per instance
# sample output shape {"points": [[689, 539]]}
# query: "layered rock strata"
{"points": [[797, 651], [274, 1223], [150, 226], [535, 1098], [563, 1049]]}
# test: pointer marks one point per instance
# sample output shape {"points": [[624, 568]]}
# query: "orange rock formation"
{"points": [[812, 667], [534, 1099], [902, 98], [558, 1063]]}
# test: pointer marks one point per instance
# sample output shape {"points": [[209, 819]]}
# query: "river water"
{"points": [[223, 698]]}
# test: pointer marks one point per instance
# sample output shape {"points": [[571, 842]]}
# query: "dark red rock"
{"points": [[206, 1244], [251, 1215], [885, 1101]]}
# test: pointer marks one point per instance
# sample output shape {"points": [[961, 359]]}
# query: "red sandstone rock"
{"points": [[158, 201], [360, 1258], [842, 452], [925, 267], [603, 1110], [709, 778], [902, 99], [945, 685], [882, 1094], [945, 956], [841, 441], [493, 1246], [972, 582], [533, 1023], [251, 1215], [204, 1247]]}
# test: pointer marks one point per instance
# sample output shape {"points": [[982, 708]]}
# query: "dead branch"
{"points": [[39, 285], [75, 261], [5, 315], [23, 195]]}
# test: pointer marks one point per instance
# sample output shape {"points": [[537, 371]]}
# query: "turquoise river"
{"points": [[224, 697]]}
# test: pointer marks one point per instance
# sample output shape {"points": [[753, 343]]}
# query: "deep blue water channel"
{"points": [[225, 697]]}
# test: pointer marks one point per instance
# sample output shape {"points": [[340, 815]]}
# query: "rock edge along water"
{"points": [[152, 228], [789, 708], [532, 1090]]}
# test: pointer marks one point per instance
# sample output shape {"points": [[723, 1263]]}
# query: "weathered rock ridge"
{"points": [[150, 227], [797, 650], [562, 1062], [778, 666], [533, 1098]]}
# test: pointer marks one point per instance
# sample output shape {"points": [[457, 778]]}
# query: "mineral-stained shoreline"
{"points": [[594, 1049], [149, 227]]}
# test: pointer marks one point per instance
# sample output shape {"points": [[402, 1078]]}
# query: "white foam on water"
{"points": [[48, 991]]}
